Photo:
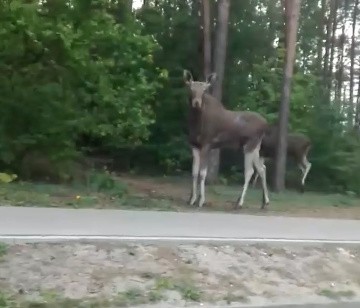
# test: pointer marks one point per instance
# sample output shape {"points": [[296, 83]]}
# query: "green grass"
{"points": [[130, 297], [164, 283], [76, 196], [289, 201], [7, 301], [187, 289], [233, 298], [3, 249], [170, 194], [189, 292], [288, 197], [337, 295], [3, 300], [51, 299]]}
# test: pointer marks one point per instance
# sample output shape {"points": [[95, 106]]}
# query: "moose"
{"points": [[298, 146], [211, 126]]}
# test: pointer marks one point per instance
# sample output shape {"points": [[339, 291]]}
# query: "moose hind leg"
{"points": [[306, 169], [255, 179], [261, 170], [195, 175], [256, 173], [249, 171]]}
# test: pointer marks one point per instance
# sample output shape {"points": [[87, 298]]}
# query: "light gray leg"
{"points": [[305, 170], [302, 169], [262, 160], [203, 173], [261, 170], [249, 171], [195, 175], [255, 179]]}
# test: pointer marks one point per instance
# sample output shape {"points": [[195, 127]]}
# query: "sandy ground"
{"points": [[133, 274]]}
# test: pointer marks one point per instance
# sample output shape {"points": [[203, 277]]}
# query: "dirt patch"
{"points": [[155, 187], [115, 275]]}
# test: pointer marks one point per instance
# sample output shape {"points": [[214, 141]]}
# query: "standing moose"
{"points": [[212, 126], [298, 146]]}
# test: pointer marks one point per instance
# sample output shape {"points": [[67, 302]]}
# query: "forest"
{"points": [[104, 78]]}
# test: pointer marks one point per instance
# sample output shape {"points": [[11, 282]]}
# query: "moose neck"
{"points": [[203, 121]]}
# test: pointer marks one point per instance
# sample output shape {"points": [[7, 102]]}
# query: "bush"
{"points": [[69, 73]]}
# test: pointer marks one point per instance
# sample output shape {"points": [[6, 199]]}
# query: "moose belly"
{"points": [[227, 141]]}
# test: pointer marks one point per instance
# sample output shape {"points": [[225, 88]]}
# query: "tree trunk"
{"points": [[333, 40], [292, 10], [352, 59], [219, 63], [328, 41], [122, 10], [129, 5], [206, 37], [220, 47], [321, 37], [340, 64], [357, 108]]}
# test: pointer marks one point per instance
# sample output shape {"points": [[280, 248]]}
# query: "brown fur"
{"points": [[298, 145], [215, 126], [212, 126]]}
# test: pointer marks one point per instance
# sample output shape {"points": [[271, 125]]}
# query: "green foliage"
{"points": [[3, 249], [135, 296], [7, 178], [190, 293], [253, 81], [187, 290], [92, 76], [69, 72], [6, 301], [337, 295], [105, 182], [3, 301]]}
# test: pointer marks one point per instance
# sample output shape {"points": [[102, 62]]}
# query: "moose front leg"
{"points": [[204, 156], [195, 175]]}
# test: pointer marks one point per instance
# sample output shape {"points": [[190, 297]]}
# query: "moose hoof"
{"points": [[201, 203], [264, 206], [192, 201], [238, 206], [302, 189]]}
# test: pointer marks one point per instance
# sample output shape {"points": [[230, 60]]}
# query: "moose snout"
{"points": [[196, 103]]}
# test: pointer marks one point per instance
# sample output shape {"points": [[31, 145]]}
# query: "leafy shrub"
{"points": [[104, 182]]}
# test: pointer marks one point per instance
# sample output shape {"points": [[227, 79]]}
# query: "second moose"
{"points": [[298, 146]]}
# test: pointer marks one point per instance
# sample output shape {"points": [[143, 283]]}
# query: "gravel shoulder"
{"points": [[166, 275]]}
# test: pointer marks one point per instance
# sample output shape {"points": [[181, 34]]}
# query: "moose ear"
{"points": [[210, 79], [188, 78]]}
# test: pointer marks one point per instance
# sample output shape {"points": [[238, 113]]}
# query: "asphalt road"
{"points": [[20, 222], [37, 224]]}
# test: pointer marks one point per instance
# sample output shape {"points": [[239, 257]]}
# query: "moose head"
{"points": [[198, 88]]}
